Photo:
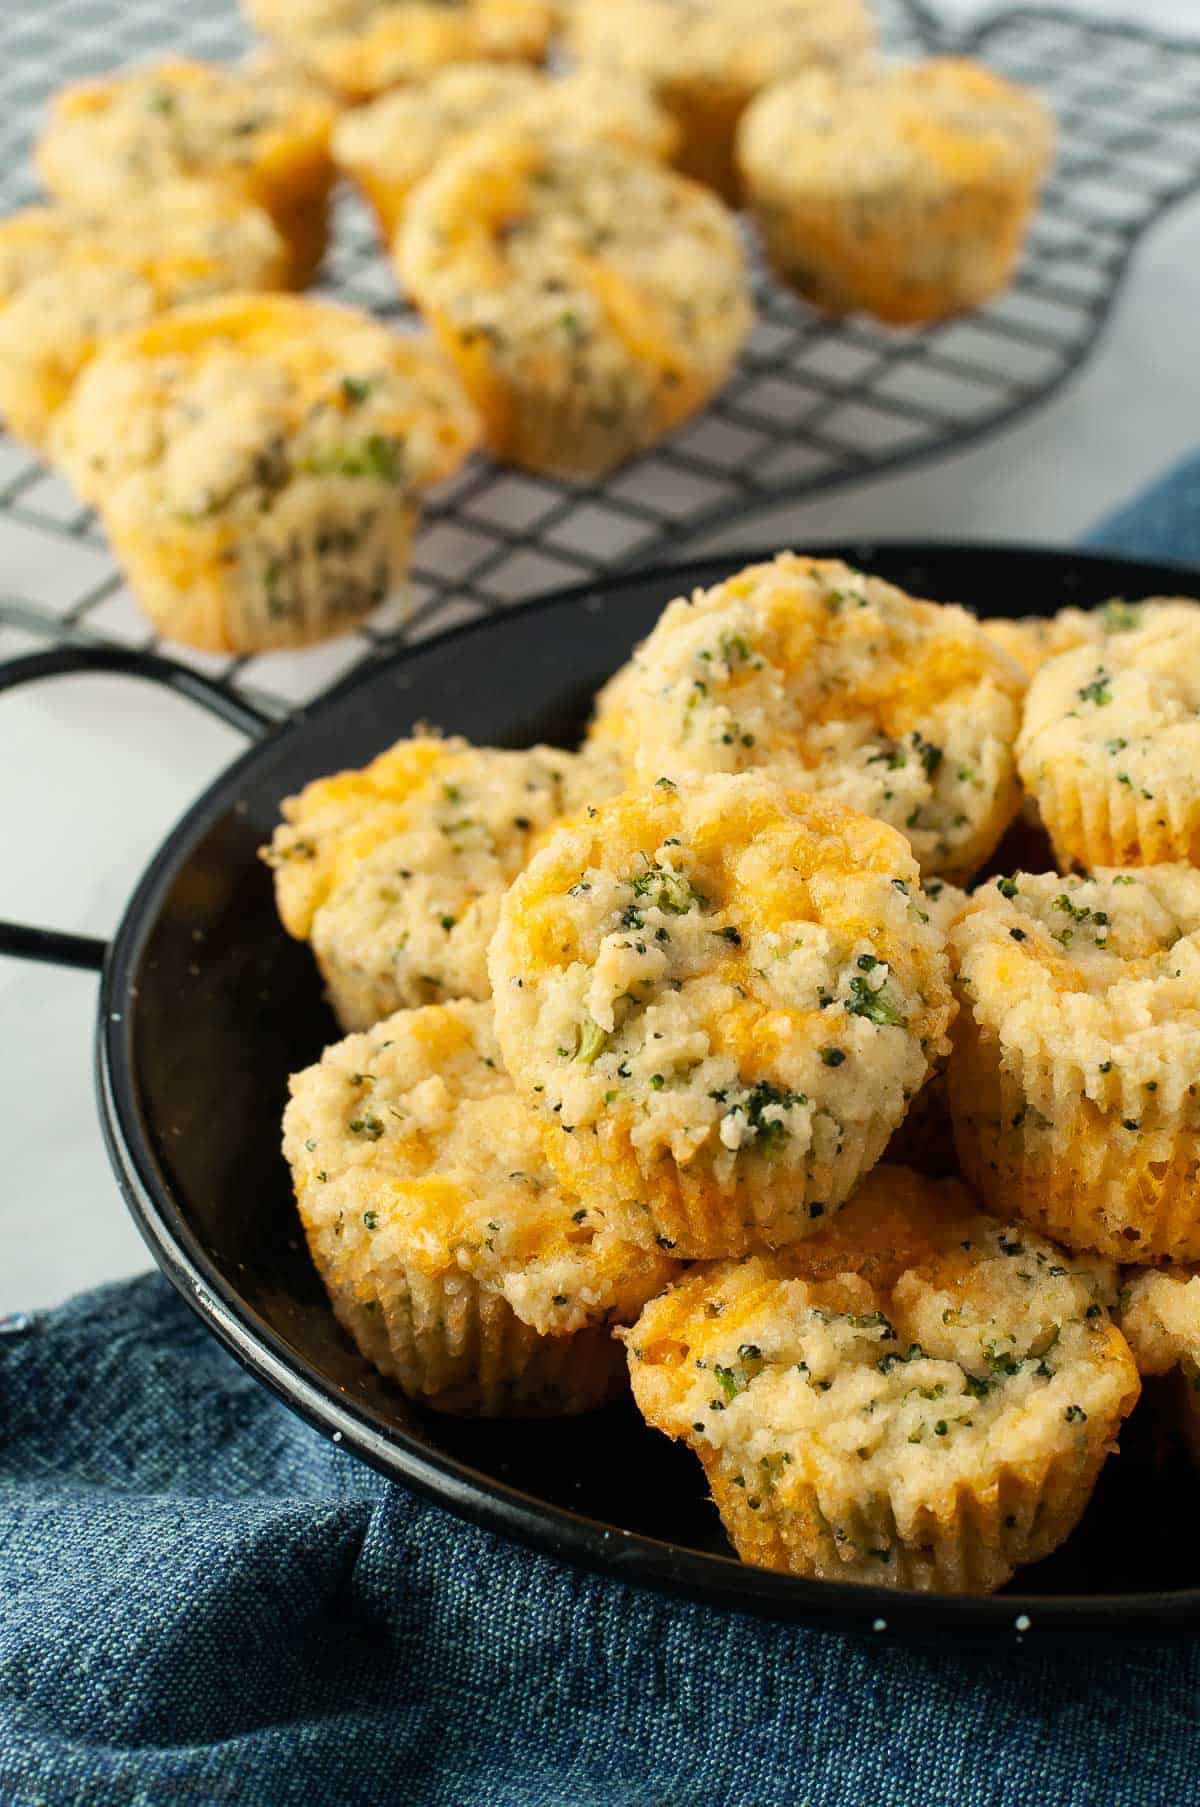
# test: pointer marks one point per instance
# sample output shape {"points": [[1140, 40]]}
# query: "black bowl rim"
{"points": [[479, 1498]]}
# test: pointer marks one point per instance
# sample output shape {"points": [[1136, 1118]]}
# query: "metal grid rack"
{"points": [[814, 403]]}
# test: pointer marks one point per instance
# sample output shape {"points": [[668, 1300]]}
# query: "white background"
{"points": [[82, 806]]}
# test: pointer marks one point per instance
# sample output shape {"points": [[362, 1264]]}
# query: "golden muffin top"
{"points": [[1103, 973], [912, 1347], [942, 122], [897, 707], [726, 970], [1160, 1317], [736, 44], [361, 47], [410, 1144], [223, 403], [109, 140], [1124, 708]]}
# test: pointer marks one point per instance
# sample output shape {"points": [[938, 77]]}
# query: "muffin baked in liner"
{"points": [[258, 463], [70, 280], [362, 47], [389, 146], [448, 1250], [898, 707], [1073, 1081], [395, 873], [904, 192], [590, 300], [920, 1396], [704, 62], [718, 997], [1110, 742], [262, 132]]}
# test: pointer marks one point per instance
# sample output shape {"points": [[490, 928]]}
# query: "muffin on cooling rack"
{"points": [[257, 462], [70, 280], [361, 47], [920, 1396], [1073, 1081], [905, 192], [718, 996], [390, 146], [591, 300], [263, 132], [900, 708], [706, 59], [448, 1250], [395, 873], [1110, 743]]}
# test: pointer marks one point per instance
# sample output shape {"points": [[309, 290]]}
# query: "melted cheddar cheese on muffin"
{"points": [[591, 300], [392, 144], [920, 1396], [719, 998], [1073, 1081], [395, 873], [706, 59], [449, 1251], [262, 132], [257, 462], [361, 47], [1110, 743], [905, 192], [70, 280], [900, 708]]}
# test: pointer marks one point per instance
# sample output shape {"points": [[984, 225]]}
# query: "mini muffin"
{"points": [[391, 145], [70, 280], [395, 873], [590, 299], [263, 132], [719, 997], [361, 47], [257, 462], [904, 192], [448, 1250], [1073, 1081], [1110, 743], [900, 708], [918, 1397], [706, 59]]}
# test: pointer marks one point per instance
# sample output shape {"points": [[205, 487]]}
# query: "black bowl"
{"points": [[206, 1007]]}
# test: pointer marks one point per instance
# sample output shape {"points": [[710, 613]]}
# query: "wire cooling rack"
{"points": [[814, 403]]}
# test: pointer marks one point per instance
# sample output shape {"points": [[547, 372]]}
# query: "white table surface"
{"points": [[82, 806]]}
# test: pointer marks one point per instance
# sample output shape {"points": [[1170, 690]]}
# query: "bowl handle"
{"points": [[54, 945]]}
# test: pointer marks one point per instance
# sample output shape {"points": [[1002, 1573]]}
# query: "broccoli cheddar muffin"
{"points": [[1074, 1077], [920, 1396], [706, 59], [361, 47], [449, 1252], [391, 145], [591, 300], [257, 462], [719, 998], [395, 873], [261, 132], [1110, 743], [71, 280], [905, 192], [900, 708]]}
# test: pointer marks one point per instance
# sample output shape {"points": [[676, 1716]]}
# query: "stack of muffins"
{"points": [[691, 1041], [259, 460]]}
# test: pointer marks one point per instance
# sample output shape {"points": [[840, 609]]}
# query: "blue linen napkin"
{"points": [[203, 1602]]}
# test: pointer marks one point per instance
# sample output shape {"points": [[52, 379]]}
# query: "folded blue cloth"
{"points": [[204, 1601]]}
